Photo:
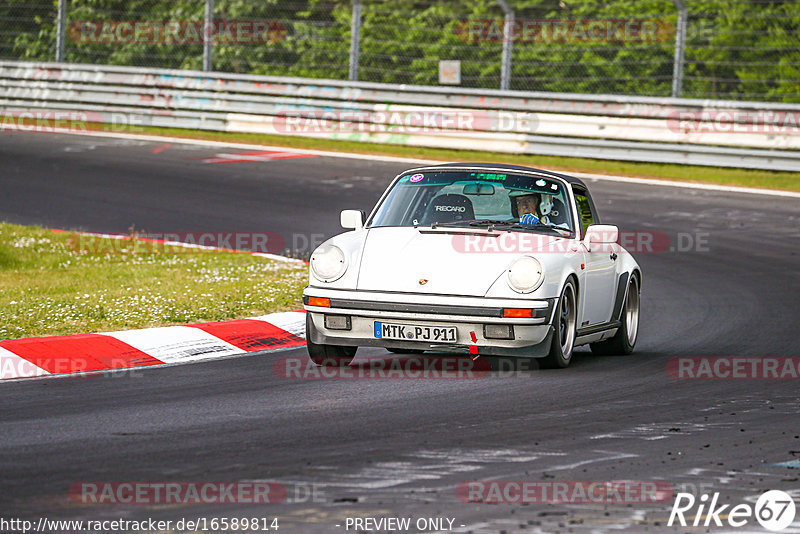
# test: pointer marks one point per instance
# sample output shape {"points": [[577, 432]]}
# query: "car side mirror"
{"points": [[600, 234], [352, 219]]}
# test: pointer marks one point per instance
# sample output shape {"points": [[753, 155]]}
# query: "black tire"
{"points": [[327, 355], [624, 340], [405, 351], [565, 326]]}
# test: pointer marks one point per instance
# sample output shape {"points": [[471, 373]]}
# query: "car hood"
{"points": [[412, 260]]}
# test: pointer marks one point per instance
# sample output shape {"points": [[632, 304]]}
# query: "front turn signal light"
{"points": [[319, 301], [518, 313]]}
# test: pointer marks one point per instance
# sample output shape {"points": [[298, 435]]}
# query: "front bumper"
{"points": [[469, 315]]}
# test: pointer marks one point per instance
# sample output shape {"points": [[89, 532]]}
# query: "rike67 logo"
{"points": [[774, 510]]}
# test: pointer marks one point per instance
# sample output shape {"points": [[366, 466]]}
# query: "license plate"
{"points": [[408, 332]]}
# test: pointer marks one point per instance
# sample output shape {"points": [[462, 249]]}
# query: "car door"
{"points": [[600, 273]]}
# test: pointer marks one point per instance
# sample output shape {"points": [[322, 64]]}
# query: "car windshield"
{"points": [[464, 198]]}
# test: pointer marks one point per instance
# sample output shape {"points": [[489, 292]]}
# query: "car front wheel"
{"points": [[327, 355], [564, 325]]}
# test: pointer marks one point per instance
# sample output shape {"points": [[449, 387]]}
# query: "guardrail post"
{"points": [[208, 36], [355, 40], [508, 43], [680, 46], [61, 25]]}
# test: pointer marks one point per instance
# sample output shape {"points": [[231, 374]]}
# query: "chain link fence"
{"points": [[734, 49], [743, 50], [28, 30]]}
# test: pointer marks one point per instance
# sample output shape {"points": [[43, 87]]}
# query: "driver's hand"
{"points": [[528, 218]]}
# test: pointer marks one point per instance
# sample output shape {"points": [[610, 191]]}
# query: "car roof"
{"points": [[565, 177]]}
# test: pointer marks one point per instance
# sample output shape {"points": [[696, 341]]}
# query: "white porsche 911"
{"points": [[481, 259]]}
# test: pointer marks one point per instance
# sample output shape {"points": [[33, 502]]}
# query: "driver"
{"points": [[528, 208], [536, 208]]}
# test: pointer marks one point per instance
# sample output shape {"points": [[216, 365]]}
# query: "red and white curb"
{"points": [[81, 353], [63, 355]]}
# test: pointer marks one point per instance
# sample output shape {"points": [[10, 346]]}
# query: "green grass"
{"points": [[789, 181], [66, 283]]}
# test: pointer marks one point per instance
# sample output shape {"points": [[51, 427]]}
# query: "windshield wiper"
{"points": [[489, 223], [454, 223], [473, 222], [517, 225], [492, 223]]}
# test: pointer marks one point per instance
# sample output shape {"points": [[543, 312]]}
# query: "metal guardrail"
{"points": [[590, 126]]}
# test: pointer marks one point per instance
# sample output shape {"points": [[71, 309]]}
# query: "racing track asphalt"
{"points": [[400, 447]]}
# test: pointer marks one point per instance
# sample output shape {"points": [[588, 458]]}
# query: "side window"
{"points": [[585, 211]]}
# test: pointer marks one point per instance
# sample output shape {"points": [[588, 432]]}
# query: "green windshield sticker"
{"points": [[487, 176]]}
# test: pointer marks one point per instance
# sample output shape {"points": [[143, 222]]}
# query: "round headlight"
{"points": [[327, 263], [525, 275]]}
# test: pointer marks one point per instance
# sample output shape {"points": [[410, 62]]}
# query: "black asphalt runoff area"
{"points": [[401, 448]]}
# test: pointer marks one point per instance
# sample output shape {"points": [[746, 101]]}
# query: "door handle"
{"points": [[613, 256]]}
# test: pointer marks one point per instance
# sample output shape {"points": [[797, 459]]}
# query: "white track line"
{"points": [[369, 157], [689, 185], [250, 146]]}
